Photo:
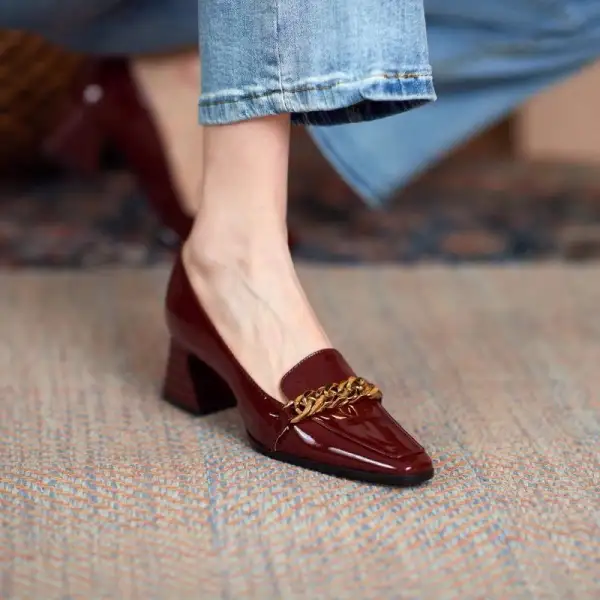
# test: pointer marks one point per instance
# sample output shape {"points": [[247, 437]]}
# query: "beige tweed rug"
{"points": [[107, 493]]}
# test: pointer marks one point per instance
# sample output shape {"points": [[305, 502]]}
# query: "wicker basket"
{"points": [[35, 78]]}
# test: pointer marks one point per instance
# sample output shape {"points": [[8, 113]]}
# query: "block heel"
{"points": [[193, 386]]}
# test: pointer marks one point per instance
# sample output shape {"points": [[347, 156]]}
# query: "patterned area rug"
{"points": [[495, 211], [105, 492]]}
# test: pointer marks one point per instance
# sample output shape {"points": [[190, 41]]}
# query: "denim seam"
{"points": [[315, 88], [279, 59]]}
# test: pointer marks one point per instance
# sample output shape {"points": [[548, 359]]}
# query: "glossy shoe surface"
{"points": [[334, 422]]}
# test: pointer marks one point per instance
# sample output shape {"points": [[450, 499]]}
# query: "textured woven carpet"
{"points": [[107, 493]]}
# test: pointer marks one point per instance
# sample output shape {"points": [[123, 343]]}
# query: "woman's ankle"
{"points": [[235, 245], [240, 225]]}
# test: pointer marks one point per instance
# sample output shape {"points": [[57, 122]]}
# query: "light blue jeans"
{"points": [[488, 56]]}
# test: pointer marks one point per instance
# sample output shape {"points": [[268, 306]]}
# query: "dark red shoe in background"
{"points": [[333, 422], [106, 108]]}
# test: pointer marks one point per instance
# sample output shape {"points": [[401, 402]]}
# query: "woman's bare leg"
{"points": [[237, 256]]}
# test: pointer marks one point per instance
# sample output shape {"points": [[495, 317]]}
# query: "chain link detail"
{"points": [[329, 397]]}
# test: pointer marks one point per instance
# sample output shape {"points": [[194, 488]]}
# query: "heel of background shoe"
{"points": [[193, 386]]}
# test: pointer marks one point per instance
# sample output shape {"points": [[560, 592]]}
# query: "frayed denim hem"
{"points": [[329, 103]]}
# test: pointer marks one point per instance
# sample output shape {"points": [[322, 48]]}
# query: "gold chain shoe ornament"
{"points": [[330, 397]]}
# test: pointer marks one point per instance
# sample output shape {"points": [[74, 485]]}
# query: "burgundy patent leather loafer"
{"points": [[333, 422], [106, 107]]}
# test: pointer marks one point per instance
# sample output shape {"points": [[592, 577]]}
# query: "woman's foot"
{"points": [[252, 295], [237, 257]]}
